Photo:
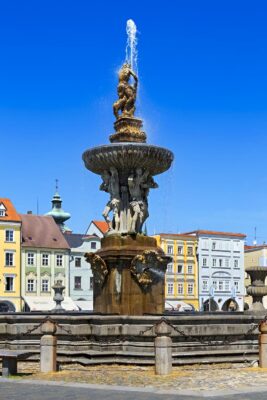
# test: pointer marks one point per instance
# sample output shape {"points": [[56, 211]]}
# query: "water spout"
{"points": [[131, 50]]}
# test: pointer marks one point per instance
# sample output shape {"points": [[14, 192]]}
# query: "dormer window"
{"points": [[2, 210]]}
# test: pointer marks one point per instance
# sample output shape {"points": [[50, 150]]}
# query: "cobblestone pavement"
{"points": [[43, 390], [200, 378]]}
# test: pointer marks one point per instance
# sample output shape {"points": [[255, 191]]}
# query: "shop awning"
{"points": [[177, 306], [42, 303], [86, 305]]}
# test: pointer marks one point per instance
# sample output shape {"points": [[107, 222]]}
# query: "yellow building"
{"points": [[10, 245], [255, 256], [181, 282]]}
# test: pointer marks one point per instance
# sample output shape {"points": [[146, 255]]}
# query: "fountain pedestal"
{"points": [[129, 275], [257, 289]]}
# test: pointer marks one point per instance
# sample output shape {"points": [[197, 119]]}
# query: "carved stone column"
{"points": [[163, 349], [263, 345], [48, 347]]}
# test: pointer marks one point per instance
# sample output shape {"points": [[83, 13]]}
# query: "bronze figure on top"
{"points": [[126, 92]]}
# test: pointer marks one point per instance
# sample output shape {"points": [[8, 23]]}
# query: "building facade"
{"points": [[45, 258], [181, 281], [221, 270], [81, 277], [10, 247]]}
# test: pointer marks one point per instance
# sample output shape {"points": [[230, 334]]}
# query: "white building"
{"points": [[98, 228], [221, 270], [81, 277]]}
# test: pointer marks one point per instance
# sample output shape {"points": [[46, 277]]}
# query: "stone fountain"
{"points": [[129, 270]]}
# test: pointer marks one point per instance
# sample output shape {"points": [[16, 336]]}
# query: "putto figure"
{"points": [[126, 92], [111, 185]]}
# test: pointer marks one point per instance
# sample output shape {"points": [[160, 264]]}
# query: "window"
{"points": [[2, 210], [78, 261], [93, 245], [180, 250], [30, 259], [227, 262], [204, 262], [45, 286], [214, 284], [91, 283], [9, 284], [220, 286], [213, 245], [236, 283], [190, 269], [77, 282], [180, 269], [190, 288], [180, 288], [236, 263], [227, 286], [59, 260], [9, 259], [170, 249], [205, 244], [236, 246], [214, 260], [205, 285], [30, 285], [189, 251], [45, 259], [220, 262], [170, 288], [9, 235], [169, 268]]}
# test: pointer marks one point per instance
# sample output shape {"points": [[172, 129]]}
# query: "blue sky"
{"points": [[203, 94]]}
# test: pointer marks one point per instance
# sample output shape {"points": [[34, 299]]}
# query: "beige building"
{"points": [[181, 284], [44, 260], [255, 256]]}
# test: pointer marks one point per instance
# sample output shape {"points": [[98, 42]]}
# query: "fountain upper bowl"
{"points": [[128, 156]]}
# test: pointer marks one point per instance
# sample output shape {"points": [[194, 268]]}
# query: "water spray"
{"points": [[131, 50]]}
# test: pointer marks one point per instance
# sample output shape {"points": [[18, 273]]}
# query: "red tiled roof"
{"points": [[41, 231], [215, 233], [101, 225], [11, 213], [255, 247]]}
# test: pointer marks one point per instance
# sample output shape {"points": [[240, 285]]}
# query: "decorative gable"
{"points": [[2, 210]]}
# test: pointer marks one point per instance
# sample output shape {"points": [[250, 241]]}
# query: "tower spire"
{"points": [[57, 212]]}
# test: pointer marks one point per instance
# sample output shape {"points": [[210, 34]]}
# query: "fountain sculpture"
{"points": [[129, 269]]}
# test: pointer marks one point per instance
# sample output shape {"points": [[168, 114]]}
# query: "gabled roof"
{"points": [[76, 239], [11, 213], [101, 225], [215, 233], [41, 231]]}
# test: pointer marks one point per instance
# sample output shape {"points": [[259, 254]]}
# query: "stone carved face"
{"points": [[99, 267], [148, 268]]}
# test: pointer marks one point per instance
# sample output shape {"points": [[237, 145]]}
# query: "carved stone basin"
{"points": [[128, 156]]}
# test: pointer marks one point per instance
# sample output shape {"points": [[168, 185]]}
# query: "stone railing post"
{"points": [[48, 347], [263, 345], [163, 349]]}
